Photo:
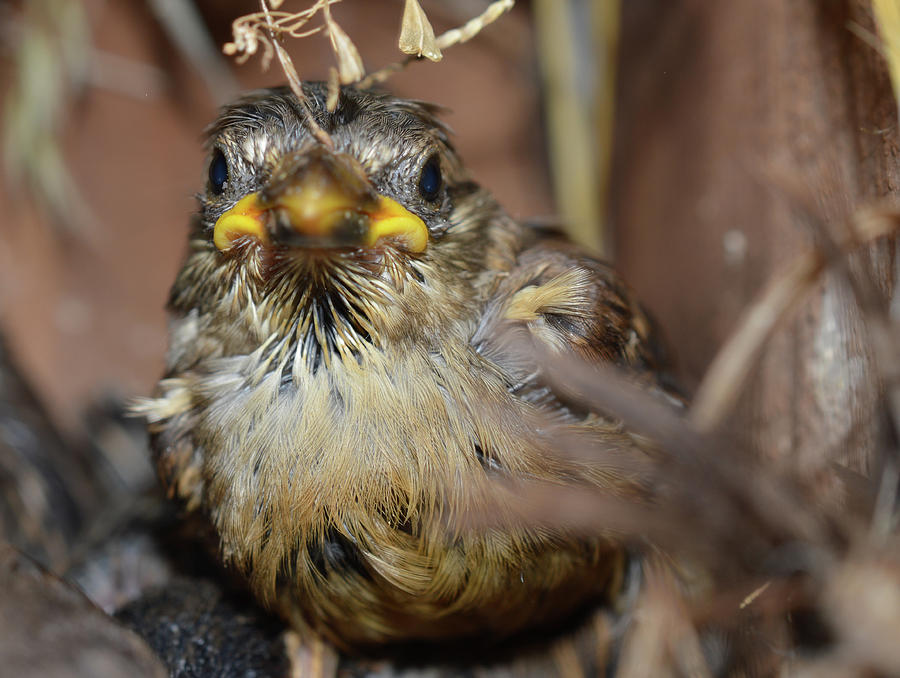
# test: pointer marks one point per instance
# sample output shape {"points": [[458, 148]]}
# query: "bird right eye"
{"points": [[430, 180], [218, 172]]}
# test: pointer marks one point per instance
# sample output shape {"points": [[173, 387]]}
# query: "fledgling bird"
{"points": [[342, 390]]}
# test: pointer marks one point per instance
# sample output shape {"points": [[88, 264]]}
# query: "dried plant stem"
{"points": [[261, 30], [450, 38], [887, 17], [756, 593], [384, 74], [248, 36], [725, 378], [662, 640], [294, 80], [470, 29], [579, 117]]}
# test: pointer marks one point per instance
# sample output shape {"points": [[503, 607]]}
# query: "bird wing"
{"points": [[566, 301]]}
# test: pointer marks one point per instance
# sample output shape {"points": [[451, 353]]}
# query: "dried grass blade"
{"points": [[725, 378], [294, 81], [887, 16]]}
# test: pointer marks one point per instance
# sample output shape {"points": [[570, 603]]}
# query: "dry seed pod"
{"points": [[350, 65], [416, 33]]}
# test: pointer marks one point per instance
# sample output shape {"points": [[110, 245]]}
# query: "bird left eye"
{"points": [[218, 172], [430, 180]]}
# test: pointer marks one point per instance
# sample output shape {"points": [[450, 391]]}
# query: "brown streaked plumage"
{"points": [[341, 389]]}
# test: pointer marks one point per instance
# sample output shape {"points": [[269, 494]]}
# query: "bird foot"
{"points": [[310, 656]]}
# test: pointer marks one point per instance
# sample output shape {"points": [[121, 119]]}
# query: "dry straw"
{"points": [[264, 30], [887, 16]]}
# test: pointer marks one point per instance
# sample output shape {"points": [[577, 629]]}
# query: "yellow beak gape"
{"points": [[246, 218], [318, 214], [391, 221]]}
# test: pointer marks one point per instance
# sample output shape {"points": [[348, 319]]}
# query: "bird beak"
{"points": [[321, 200]]}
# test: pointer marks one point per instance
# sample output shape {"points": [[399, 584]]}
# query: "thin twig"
{"points": [[295, 83], [457, 36], [724, 380], [743, 491]]}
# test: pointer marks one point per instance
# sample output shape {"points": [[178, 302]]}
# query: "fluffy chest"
{"points": [[392, 437], [373, 460], [381, 412]]}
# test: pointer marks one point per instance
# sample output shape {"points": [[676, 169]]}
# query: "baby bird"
{"points": [[344, 383]]}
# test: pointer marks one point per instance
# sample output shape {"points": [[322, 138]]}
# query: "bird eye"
{"points": [[218, 172], [430, 179]]}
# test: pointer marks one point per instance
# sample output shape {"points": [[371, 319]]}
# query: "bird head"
{"points": [[376, 238]]}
